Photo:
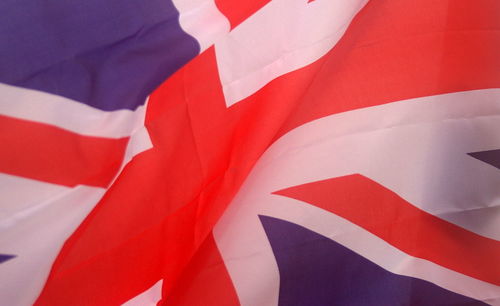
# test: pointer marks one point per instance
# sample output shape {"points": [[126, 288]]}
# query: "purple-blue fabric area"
{"points": [[107, 54], [315, 270]]}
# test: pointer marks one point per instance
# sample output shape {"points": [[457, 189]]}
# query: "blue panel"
{"points": [[491, 157], [5, 257], [109, 54], [315, 270]]}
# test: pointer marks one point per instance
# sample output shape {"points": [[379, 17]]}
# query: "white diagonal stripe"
{"points": [[42, 107], [283, 36]]}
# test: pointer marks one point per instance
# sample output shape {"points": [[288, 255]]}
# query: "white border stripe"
{"points": [[202, 20], [283, 36], [67, 114], [149, 297]]}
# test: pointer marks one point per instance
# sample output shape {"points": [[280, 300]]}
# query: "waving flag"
{"points": [[200, 152]]}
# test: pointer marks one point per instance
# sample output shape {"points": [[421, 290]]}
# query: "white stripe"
{"points": [[149, 297], [283, 36], [138, 142], [417, 148], [20, 194], [36, 238], [202, 20], [67, 114]]}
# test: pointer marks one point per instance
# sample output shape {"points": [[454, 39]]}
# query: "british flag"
{"points": [[218, 152]]}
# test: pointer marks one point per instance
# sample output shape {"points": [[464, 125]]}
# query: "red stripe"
{"points": [[408, 228], [47, 153], [237, 11], [112, 269], [205, 281]]}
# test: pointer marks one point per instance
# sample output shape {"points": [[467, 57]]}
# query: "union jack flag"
{"points": [[217, 152]]}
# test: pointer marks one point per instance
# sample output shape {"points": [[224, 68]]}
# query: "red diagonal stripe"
{"points": [[237, 11], [205, 281], [47, 153], [408, 228]]}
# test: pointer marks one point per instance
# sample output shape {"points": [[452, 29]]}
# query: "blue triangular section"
{"points": [[107, 54], [491, 157], [5, 257], [315, 270]]}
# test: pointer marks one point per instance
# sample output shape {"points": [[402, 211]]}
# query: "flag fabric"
{"points": [[217, 152]]}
